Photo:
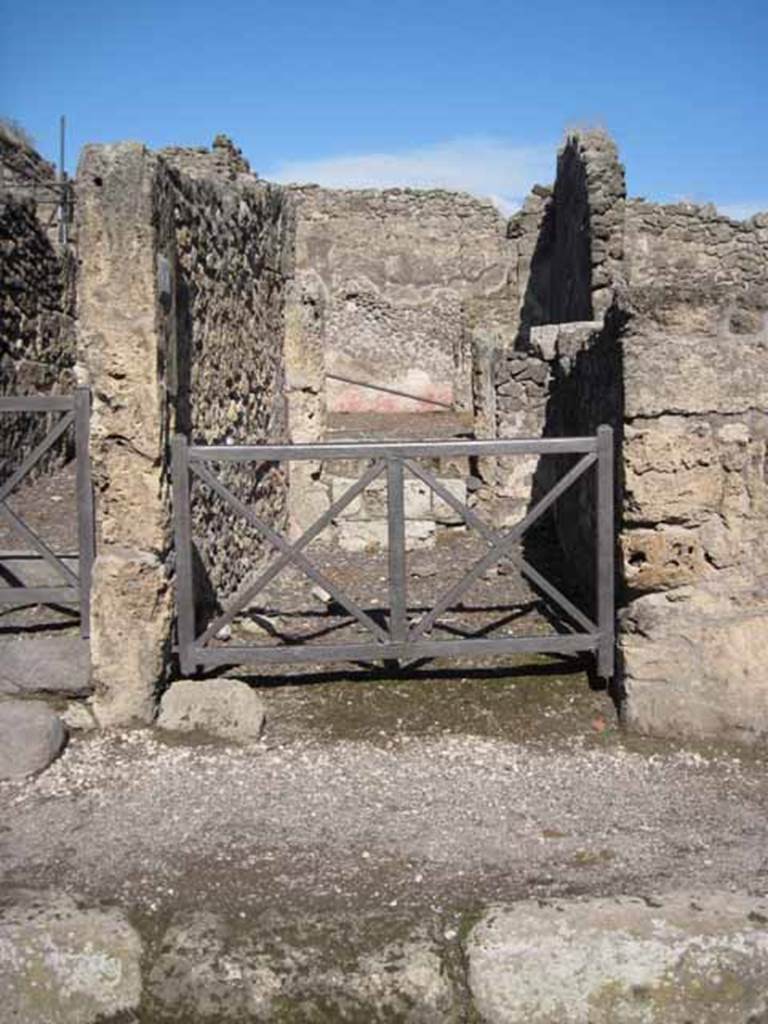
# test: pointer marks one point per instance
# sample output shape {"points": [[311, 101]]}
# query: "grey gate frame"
{"points": [[400, 640], [76, 587]]}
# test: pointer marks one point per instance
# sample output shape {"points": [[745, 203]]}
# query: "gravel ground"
{"points": [[492, 789]]}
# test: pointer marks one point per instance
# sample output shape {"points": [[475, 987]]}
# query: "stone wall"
{"points": [[673, 356], [392, 288], [37, 299], [395, 270], [695, 498], [567, 246], [181, 294], [228, 247], [22, 169]]}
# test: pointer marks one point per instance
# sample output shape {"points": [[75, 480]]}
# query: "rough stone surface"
{"points": [[394, 268], [130, 625], [66, 964], [227, 244], [37, 299], [666, 311], [54, 665], [407, 979], [701, 957], [226, 708], [206, 972], [31, 736], [696, 424], [181, 299]]}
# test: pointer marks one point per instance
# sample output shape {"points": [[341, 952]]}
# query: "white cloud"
{"points": [[742, 211], [484, 167]]}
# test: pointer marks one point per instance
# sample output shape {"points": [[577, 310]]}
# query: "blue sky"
{"points": [[463, 94]]}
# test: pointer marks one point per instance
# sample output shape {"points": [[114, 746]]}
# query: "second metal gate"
{"points": [[74, 587]]}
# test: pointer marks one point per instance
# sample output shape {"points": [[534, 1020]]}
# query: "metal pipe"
{"points": [[63, 212], [389, 391]]}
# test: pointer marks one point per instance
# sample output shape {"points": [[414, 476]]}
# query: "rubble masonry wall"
{"points": [[37, 299], [181, 301]]}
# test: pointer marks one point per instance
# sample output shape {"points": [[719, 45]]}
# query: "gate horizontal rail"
{"points": [[400, 639], [76, 586]]}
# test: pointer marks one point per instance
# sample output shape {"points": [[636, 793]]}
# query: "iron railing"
{"points": [[398, 638], [76, 586]]}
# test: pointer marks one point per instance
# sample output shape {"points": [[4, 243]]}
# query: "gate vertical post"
{"points": [[85, 518], [182, 529], [605, 552], [396, 538]]}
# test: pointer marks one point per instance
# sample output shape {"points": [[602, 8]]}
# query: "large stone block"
{"points": [[441, 510], [130, 636], [119, 340], [205, 971], [672, 471], [662, 558], [623, 960], [694, 662], [420, 533], [52, 665], [697, 373], [354, 508], [308, 497], [362, 535], [417, 499], [226, 708], [65, 963]]}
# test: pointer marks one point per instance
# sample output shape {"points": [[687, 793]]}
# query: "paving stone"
{"points": [[63, 964], [625, 960]]}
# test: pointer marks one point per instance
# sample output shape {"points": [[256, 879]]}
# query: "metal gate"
{"points": [[75, 588], [395, 637]]}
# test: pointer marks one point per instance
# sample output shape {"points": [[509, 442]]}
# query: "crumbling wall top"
{"points": [[224, 160], [21, 166]]}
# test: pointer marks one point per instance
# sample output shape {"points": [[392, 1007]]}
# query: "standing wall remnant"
{"points": [[181, 295], [392, 287], [673, 355], [37, 295], [695, 350], [395, 268]]}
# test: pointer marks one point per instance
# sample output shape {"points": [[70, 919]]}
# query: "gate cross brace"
{"points": [[501, 546], [494, 537], [291, 552], [15, 522]]}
